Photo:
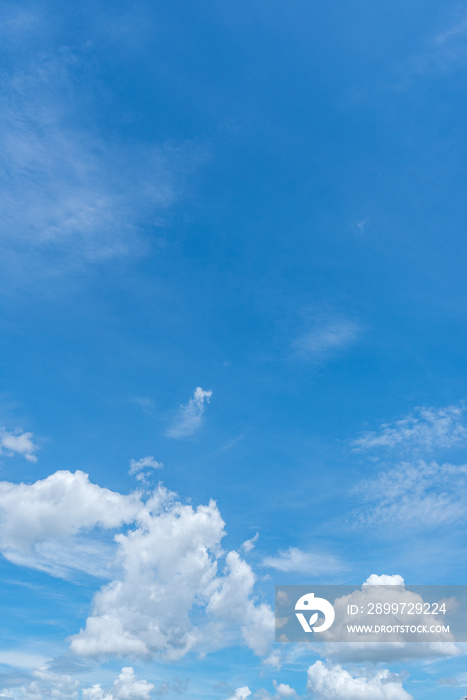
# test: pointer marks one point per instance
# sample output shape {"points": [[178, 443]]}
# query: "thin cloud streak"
{"points": [[190, 415], [326, 339], [298, 561], [70, 195]]}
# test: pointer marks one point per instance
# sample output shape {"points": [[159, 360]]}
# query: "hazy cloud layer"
{"points": [[71, 193]]}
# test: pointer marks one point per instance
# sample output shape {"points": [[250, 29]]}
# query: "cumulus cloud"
{"points": [[334, 683], [125, 687], [47, 683], [172, 590], [37, 520], [190, 415], [425, 428], [384, 580], [416, 494], [296, 560], [17, 443], [241, 694], [169, 565], [338, 644], [284, 691]]}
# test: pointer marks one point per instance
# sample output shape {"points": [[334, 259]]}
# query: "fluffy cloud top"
{"points": [[60, 505], [169, 567], [241, 694], [334, 683], [125, 687], [173, 590], [284, 691], [339, 643]]}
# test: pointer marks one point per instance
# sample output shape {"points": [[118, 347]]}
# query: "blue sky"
{"points": [[232, 339]]}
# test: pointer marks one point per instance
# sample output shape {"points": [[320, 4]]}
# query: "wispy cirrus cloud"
{"points": [[443, 51], [250, 544], [326, 338], [190, 415], [17, 442], [298, 561], [455, 31], [425, 428], [419, 495], [137, 465], [69, 192]]}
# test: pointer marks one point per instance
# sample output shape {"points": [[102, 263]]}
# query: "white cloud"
{"points": [[169, 565], [384, 580], [241, 693], [337, 641], [47, 683], [284, 691], [425, 428], [295, 560], [96, 692], [37, 520], [127, 687], [190, 415], [413, 494], [326, 338], [137, 465], [249, 545], [334, 683], [17, 442], [274, 659], [50, 684], [172, 588]]}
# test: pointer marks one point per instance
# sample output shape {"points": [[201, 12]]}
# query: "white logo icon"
{"points": [[307, 603]]}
